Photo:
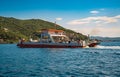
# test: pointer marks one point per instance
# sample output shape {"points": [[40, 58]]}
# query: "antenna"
{"points": [[57, 19], [55, 25]]}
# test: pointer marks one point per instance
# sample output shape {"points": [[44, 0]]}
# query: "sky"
{"points": [[93, 17]]}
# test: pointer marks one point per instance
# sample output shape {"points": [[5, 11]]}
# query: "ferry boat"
{"points": [[52, 38]]}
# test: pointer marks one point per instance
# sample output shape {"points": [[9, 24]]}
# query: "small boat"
{"points": [[52, 38], [94, 44]]}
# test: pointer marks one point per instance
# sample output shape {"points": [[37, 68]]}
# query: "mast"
{"points": [[55, 25]]}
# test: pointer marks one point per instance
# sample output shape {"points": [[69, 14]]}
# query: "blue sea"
{"points": [[101, 61]]}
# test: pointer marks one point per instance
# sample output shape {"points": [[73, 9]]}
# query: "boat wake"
{"points": [[108, 47]]}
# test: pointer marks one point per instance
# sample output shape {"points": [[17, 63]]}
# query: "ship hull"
{"points": [[93, 44], [25, 45], [48, 46]]}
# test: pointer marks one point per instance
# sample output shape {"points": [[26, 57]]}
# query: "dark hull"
{"points": [[47, 46], [93, 44], [53, 46]]}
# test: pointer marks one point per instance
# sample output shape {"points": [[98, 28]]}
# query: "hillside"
{"points": [[106, 39], [12, 29]]}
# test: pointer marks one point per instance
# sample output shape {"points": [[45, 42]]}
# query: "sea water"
{"points": [[101, 61]]}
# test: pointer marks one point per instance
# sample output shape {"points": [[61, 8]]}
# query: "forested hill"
{"points": [[12, 29]]}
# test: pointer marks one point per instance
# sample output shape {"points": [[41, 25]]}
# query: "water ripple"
{"points": [[61, 62]]}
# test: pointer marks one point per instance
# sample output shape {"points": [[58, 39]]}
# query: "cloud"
{"points": [[95, 31], [95, 20], [94, 12], [100, 31], [58, 19], [77, 22], [118, 17], [106, 32], [102, 9]]}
